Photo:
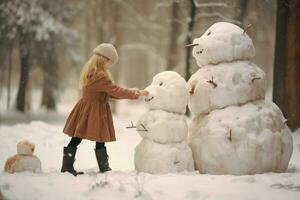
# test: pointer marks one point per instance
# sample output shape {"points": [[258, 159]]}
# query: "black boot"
{"points": [[68, 161], [102, 159]]}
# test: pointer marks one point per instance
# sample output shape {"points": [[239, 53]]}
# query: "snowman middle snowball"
{"points": [[164, 129]]}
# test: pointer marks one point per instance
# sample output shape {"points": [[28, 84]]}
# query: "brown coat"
{"points": [[91, 118]]}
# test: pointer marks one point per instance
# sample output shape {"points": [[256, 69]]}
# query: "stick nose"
{"points": [[191, 45]]}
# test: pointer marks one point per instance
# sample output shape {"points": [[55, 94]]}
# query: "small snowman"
{"points": [[234, 129], [164, 148], [24, 160]]}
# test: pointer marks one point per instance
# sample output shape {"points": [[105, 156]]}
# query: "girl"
{"points": [[91, 118]]}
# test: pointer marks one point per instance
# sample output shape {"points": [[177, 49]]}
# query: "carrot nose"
{"points": [[191, 45]]}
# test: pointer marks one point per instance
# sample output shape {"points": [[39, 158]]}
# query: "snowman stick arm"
{"points": [[131, 126], [255, 78], [211, 81], [247, 28], [143, 128]]}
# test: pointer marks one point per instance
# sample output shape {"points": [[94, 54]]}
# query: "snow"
{"points": [[234, 130], [23, 163], [32, 18], [25, 147], [164, 128], [168, 91], [237, 82], [247, 139], [222, 42], [123, 182], [24, 160], [157, 158]]}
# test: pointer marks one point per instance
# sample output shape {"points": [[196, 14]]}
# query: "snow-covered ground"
{"points": [[123, 182]]}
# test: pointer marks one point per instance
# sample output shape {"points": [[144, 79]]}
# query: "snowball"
{"points": [[248, 139], [237, 82], [163, 127], [223, 42], [155, 158], [22, 163], [24, 160], [25, 147], [168, 91]]}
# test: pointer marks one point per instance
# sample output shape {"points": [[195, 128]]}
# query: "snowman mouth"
{"points": [[149, 99]]}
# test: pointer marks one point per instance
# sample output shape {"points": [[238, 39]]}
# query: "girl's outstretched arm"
{"points": [[106, 85]]}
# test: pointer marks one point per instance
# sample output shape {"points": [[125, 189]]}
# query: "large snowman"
{"points": [[164, 147], [234, 129]]}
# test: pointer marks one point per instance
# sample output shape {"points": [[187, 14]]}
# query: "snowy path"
{"points": [[124, 183]]}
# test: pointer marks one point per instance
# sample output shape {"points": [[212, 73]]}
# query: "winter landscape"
{"points": [[177, 99], [123, 182]]}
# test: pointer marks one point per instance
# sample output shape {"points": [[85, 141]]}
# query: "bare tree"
{"points": [[191, 23], [173, 56], [242, 11], [25, 47], [9, 72], [6, 70], [286, 93], [49, 64]]}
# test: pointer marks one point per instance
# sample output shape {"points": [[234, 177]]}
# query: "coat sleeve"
{"points": [[115, 91]]}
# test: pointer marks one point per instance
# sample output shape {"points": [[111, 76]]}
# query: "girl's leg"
{"points": [[75, 141], [100, 145], [102, 157], [69, 157]]}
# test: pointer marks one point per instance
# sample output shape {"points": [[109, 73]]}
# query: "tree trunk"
{"points": [[191, 23], [286, 91], [50, 67], [9, 66], [189, 40], [242, 11], [3, 67], [173, 57], [24, 75]]}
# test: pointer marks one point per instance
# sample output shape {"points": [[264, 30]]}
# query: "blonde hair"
{"points": [[96, 65]]}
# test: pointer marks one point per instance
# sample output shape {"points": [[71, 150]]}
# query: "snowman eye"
{"points": [[199, 52], [160, 84], [208, 33]]}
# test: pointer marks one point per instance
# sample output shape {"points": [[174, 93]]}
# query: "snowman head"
{"points": [[222, 42], [25, 147], [168, 91]]}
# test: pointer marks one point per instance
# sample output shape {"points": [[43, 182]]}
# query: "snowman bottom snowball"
{"points": [[24, 160], [239, 140]]}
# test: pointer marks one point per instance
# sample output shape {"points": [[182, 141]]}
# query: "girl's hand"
{"points": [[140, 92], [143, 93]]}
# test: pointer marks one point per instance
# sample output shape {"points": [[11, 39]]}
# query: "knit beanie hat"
{"points": [[107, 50]]}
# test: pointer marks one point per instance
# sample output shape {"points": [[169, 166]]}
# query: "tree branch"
{"points": [[229, 137], [131, 126], [211, 81], [247, 28], [255, 78], [192, 89], [142, 125], [191, 45], [144, 128]]}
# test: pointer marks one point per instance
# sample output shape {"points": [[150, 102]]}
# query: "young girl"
{"points": [[91, 118]]}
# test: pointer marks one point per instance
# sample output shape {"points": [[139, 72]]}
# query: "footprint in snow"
{"points": [[291, 187]]}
